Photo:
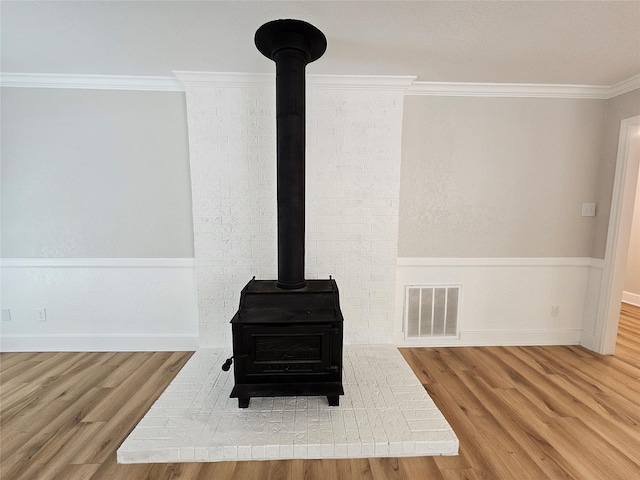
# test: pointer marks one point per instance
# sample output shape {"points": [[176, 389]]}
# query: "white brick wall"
{"points": [[353, 179], [353, 184]]}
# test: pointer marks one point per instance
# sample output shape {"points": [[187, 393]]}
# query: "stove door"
{"points": [[277, 353]]}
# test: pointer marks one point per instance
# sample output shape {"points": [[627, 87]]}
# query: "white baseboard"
{"points": [[632, 298], [521, 338], [499, 338], [98, 343], [98, 304], [588, 341]]}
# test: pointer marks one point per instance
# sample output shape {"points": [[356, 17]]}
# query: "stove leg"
{"points": [[334, 400], [243, 402]]}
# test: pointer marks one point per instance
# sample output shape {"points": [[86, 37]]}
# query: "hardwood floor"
{"points": [[519, 412], [628, 341]]}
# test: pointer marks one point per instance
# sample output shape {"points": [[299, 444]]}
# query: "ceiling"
{"points": [[576, 42]]}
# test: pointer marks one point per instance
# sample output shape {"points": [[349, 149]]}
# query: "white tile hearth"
{"points": [[385, 412]]}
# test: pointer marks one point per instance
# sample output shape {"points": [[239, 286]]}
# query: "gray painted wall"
{"points": [[95, 173], [498, 177]]}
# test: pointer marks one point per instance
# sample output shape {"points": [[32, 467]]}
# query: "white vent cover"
{"points": [[431, 311]]}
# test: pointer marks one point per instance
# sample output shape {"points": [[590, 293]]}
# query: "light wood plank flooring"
{"points": [[519, 412]]}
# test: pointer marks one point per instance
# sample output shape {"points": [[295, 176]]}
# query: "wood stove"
{"points": [[288, 333], [288, 342]]}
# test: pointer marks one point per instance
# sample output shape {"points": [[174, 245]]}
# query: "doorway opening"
{"points": [[619, 233]]}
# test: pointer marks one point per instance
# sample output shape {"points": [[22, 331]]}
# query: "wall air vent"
{"points": [[431, 311]]}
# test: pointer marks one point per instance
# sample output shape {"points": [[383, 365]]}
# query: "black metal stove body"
{"points": [[288, 342], [287, 333]]}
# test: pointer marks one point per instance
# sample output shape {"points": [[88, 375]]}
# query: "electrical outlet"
{"points": [[555, 311], [6, 315], [42, 315]]}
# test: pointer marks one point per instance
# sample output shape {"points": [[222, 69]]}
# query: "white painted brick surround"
{"points": [[384, 412], [353, 181]]}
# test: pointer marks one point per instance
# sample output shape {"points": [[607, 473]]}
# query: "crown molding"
{"points": [[90, 82], [517, 90], [333, 82], [361, 82], [223, 79], [408, 84], [626, 86], [523, 90]]}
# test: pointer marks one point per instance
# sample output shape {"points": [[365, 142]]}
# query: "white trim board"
{"points": [[99, 343], [335, 82], [521, 338], [181, 79], [631, 298], [90, 82], [618, 235], [524, 90]]}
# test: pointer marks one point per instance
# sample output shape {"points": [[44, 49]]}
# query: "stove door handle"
{"points": [[227, 364]]}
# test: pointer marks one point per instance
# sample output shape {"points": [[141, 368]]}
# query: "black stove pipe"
{"points": [[291, 44]]}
